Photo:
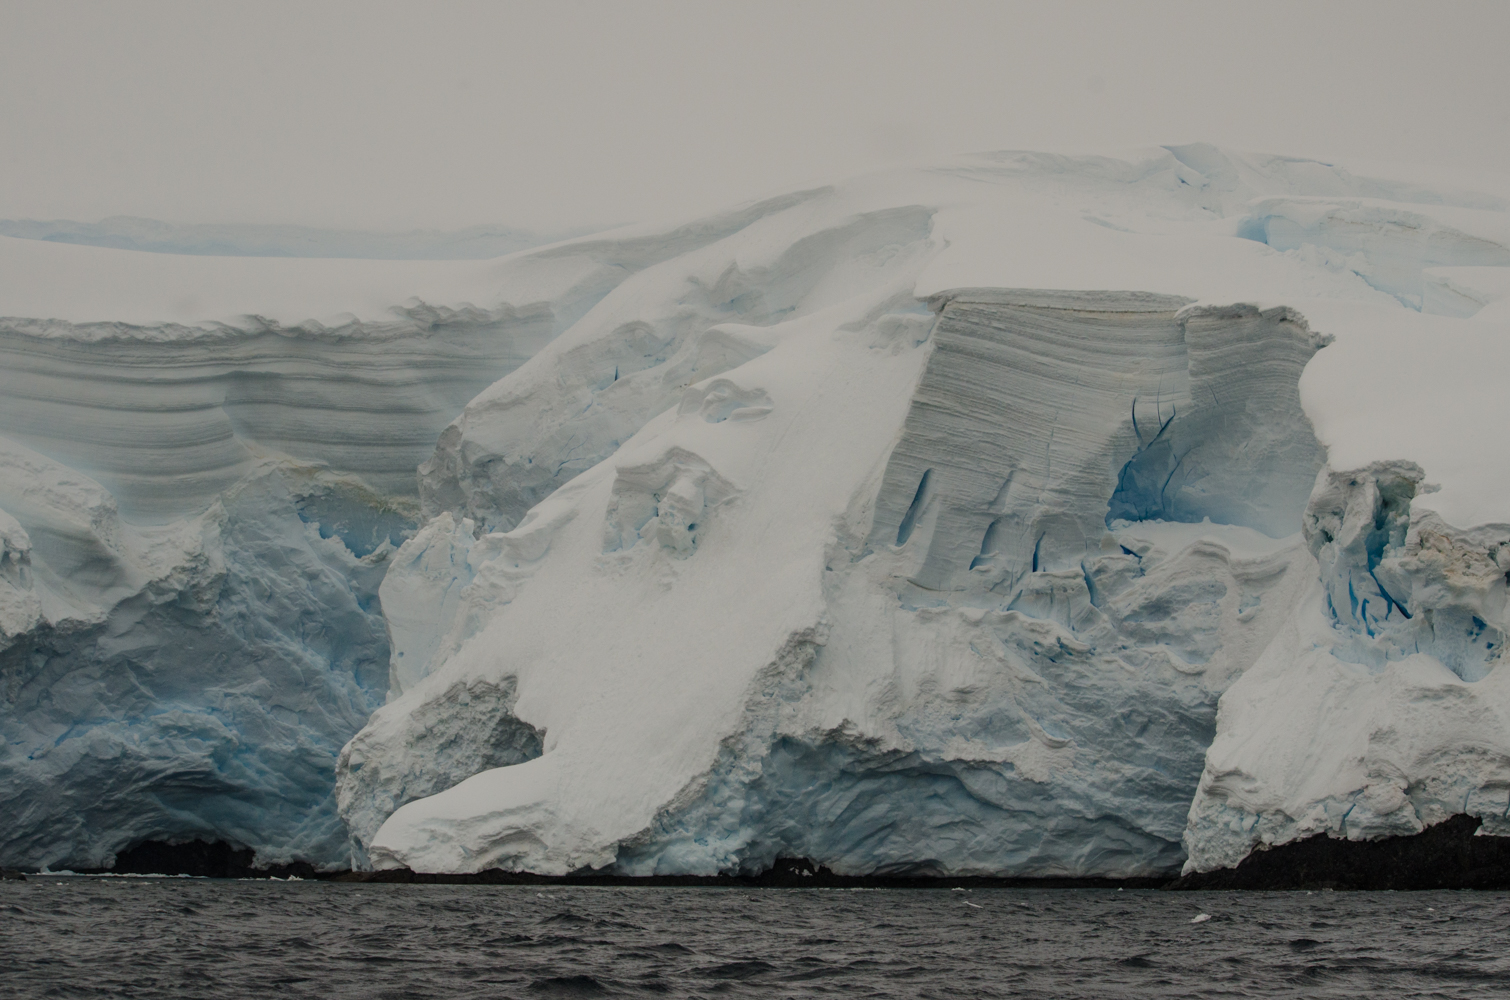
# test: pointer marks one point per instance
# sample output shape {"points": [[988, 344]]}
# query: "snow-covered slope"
{"points": [[1030, 514]]}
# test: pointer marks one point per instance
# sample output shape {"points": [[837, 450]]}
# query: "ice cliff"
{"points": [[1028, 514]]}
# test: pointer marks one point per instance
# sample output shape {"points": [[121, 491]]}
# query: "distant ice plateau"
{"points": [[1025, 515], [125, 232]]}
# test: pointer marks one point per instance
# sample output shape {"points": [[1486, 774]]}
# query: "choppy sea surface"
{"points": [[143, 937]]}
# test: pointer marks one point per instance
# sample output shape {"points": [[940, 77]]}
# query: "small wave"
{"points": [[567, 917], [568, 986], [670, 947], [738, 970]]}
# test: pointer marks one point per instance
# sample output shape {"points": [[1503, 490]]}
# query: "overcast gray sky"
{"points": [[447, 114]]}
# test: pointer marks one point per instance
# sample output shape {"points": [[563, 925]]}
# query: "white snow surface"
{"points": [[1029, 514]]}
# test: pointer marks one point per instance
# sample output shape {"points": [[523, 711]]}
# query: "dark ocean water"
{"points": [[124, 937]]}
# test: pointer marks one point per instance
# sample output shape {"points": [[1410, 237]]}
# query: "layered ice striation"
{"points": [[1044, 417], [206, 515], [168, 418]]}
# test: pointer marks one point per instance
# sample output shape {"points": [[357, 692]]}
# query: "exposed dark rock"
{"points": [[785, 873], [208, 860], [1446, 856], [7, 875]]}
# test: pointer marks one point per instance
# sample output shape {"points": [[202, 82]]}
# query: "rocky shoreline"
{"points": [[1450, 855]]}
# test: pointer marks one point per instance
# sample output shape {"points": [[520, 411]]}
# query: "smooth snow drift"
{"points": [[1028, 515]]}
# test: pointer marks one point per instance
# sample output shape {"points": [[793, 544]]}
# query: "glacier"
{"points": [[1025, 514]]}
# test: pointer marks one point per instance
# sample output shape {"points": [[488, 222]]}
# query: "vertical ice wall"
{"points": [[1045, 416], [168, 419], [201, 518]]}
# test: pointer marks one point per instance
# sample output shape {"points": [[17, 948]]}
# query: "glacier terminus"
{"points": [[1024, 515]]}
